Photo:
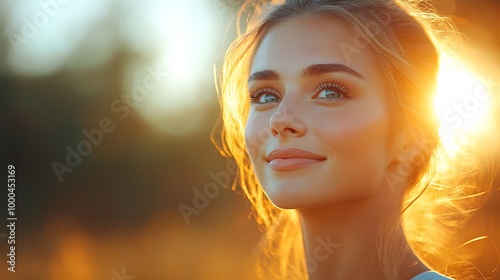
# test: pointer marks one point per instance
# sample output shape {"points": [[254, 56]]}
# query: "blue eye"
{"points": [[263, 96], [330, 93], [333, 91]]}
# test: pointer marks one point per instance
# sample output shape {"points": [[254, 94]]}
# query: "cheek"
{"points": [[357, 143], [257, 133], [353, 132]]}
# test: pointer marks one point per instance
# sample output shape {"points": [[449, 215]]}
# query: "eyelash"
{"points": [[335, 85], [255, 95]]}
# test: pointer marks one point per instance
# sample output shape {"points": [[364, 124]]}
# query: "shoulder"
{"points": [[430, 275]]}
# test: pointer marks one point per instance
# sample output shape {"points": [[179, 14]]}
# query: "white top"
{"points": [[430, 275]]}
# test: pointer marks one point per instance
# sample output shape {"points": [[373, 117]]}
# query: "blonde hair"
{"points": [[403, 37]]}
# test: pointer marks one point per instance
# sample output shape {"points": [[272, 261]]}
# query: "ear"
{"points": [[412, 149], [403, 155], [400, 146], [408, 154], [398, 170]]}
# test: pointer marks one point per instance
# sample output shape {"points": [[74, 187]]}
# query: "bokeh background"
{"points": [[142, 74]]}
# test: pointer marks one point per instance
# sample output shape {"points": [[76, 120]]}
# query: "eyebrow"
{"points": [[311, 70], [264, 75], [319, 69]]}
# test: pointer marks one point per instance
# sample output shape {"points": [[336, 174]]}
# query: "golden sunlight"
{"points": [[462, 103], [178, 101]]}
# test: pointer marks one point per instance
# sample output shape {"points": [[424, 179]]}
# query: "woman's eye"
{"points": [[332, 91], [264, 97], [330, 94], [268, 97]]}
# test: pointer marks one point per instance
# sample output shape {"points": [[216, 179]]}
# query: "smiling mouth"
{"points": [[290, 164], [292, 159]]}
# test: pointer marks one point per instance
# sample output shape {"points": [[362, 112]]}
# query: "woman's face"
{"points": [[318, 127]]}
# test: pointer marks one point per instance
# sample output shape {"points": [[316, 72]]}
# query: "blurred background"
{"points": [[107, 112]]}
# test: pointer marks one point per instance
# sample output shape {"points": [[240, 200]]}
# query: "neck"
{"points": [[341, 240]]}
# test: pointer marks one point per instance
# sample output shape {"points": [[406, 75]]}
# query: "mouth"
{"points": [[292, 159]]}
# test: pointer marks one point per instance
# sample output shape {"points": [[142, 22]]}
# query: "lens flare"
{"points": [[462, 103]]}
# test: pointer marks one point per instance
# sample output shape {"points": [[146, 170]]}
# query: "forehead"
{"points": [[294, 44]]}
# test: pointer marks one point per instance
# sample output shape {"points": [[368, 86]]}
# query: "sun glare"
{"points": [[462, 102], [172, 92]]}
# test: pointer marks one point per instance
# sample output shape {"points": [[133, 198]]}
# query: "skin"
{"points": [[342, 198]]}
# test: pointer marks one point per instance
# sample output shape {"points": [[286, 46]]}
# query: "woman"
{"points": [[326, 110]]}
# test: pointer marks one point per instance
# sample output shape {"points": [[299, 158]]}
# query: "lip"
{"points": [[292, 159]]}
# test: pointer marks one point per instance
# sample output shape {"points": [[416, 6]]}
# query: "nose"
{"points": [[285, 122]]}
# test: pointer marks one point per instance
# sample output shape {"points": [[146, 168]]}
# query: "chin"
{"points": [[294, 199], [288, 197]]}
